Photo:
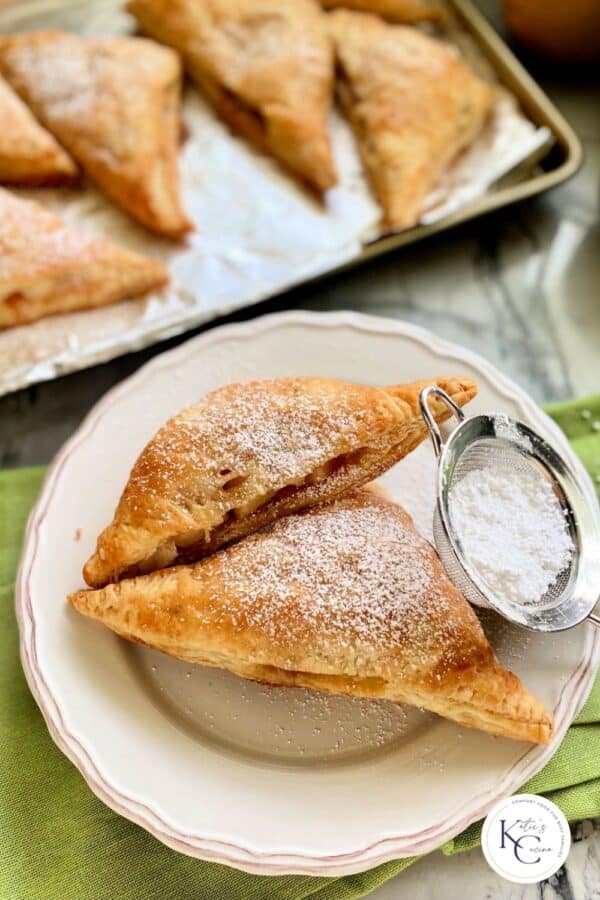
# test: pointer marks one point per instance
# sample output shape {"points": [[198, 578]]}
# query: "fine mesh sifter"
{"points": [[483, 441]]}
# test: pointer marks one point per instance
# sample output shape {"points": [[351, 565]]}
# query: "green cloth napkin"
{"points": [[58, 842]]}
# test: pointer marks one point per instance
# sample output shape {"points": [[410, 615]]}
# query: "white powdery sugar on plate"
{"points": [[283, 726]]}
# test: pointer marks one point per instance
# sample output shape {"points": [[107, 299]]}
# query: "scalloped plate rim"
{"points": [[248, 858]]}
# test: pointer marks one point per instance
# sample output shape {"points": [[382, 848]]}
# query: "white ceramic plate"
{"points": [[268, 780]]}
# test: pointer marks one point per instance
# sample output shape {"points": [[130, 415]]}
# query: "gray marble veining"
{"points": [[468, 877], [522, 288]]}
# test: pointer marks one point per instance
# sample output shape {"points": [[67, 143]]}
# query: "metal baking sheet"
{"points": [[258, 232]]}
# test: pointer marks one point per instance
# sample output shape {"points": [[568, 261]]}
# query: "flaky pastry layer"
{"points": [[250, 453], [347, 598]]}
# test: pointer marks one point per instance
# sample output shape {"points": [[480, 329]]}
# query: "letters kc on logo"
{"points": [[525, 838]]}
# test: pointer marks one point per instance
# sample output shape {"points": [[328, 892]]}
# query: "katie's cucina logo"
{"points": [[525, 838]]}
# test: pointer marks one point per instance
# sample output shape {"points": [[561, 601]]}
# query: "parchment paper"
{"points": [[258, 232]]}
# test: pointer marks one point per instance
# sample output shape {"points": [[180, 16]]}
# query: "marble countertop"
{"points": [[521, 287]]}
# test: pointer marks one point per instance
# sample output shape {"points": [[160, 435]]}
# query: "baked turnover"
{"points": [[395, 10], [413, 106], [250, 453], [265, 66], [346, 598], [29, 155], [114, 104], [48, 266]]}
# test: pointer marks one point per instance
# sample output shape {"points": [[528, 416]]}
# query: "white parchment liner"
{"points": [[258, 231]]}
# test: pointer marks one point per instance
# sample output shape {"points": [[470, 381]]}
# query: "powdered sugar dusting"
{"points": [[55, 242], [355, 571], [507, 429], [250, 448], [285, 727], [512, 530], [254, 439], [286, 428]]}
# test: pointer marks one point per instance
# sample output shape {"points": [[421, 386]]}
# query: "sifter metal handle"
{"points": [[594, 618], [432, 425]]}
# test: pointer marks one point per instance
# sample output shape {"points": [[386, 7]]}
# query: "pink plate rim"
{"points": [[245, 857]]}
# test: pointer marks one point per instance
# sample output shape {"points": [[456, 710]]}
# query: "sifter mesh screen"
{"points": [[501, 456]]}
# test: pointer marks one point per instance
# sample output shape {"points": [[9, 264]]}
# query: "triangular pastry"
{"points": [[265, 66], [48, 266], [250, 453], [346, 598], [395, 10], [29, 155], [114, 104], [413, 106]]}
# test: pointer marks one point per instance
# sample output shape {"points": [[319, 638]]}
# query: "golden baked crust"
{"points": [[413, 106], [29, 155], [265, 66], [48, 266], [250, 453], [346, 597], [114, 104], [395, 10]]}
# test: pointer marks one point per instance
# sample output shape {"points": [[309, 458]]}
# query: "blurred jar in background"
{"points": [[562, 30]]}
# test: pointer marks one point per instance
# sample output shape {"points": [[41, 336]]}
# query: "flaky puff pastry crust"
{"points": [[114, 103], [252, 452], [413, 106], [29, 155], [395, 10], [346, 598], [265, 66], [48, 266]]}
